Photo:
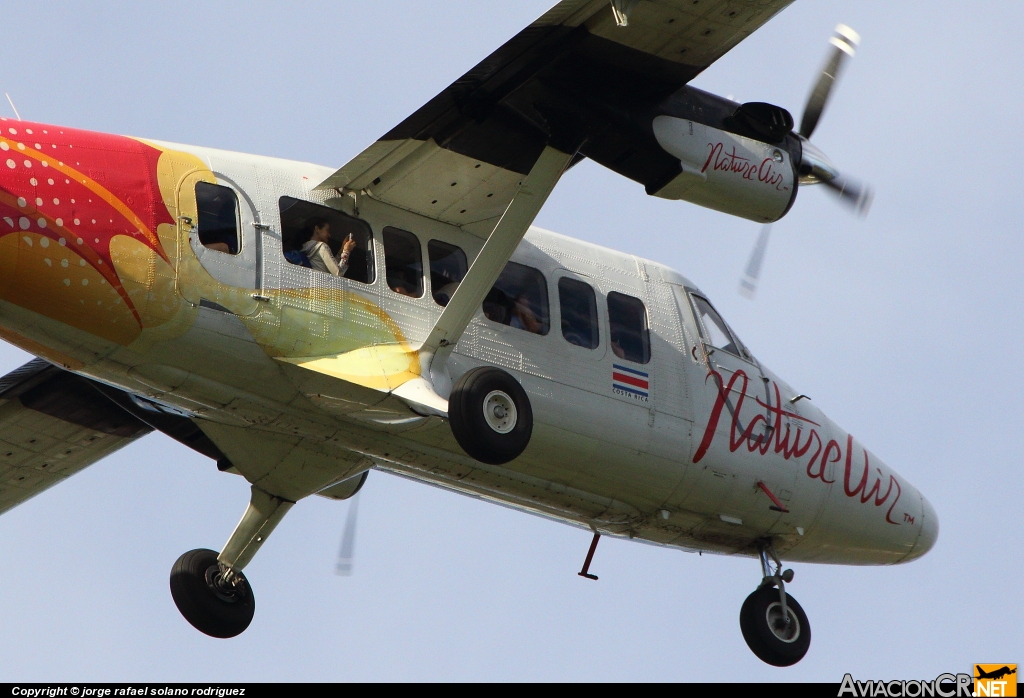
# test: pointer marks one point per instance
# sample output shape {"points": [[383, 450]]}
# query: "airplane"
{"points": [[995, 674], [301, 325]]}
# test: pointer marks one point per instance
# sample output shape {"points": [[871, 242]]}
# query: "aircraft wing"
{"points": [[564, 81], [587, 79], [52, 425]]}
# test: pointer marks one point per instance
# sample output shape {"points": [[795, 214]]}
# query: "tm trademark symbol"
{"points": [[909, 518]]}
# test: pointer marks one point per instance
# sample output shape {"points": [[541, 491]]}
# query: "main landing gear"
{"points": [[490, 415], [773, 623], [209, 589]]}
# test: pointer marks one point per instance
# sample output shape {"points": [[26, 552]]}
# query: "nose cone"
{"points": [[929, 530]]}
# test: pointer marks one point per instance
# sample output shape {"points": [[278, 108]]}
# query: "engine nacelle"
{"points": [[727, 172]]}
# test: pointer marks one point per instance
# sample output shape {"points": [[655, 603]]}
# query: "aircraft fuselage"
{"points": [[689, 443]]}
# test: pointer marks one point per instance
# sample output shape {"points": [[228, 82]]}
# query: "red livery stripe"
{"points": [[629, 380]]}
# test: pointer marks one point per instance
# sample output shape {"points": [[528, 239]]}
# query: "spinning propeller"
{"points": [[815, 167], [348, 540]]}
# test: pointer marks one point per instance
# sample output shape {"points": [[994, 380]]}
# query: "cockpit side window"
{"points": [[403, 262], [627, 324], [715, 331], [519, 298], [218, 217], [447, 270], [303, 223]]}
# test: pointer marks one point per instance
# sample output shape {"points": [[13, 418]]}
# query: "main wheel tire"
{"points": [[768, 636], [212, 607], [490, 415]]}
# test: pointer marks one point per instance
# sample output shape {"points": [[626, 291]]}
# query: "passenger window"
{"points": [[627, 319], [519, 298], [218, 217], [578, 304], [716, 331], [316, 237], [403, 262], [447, 270]]}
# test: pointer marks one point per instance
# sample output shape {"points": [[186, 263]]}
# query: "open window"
{"points": [[448, 268], [403, 262], [578, 306], [519, 298], [218, 217], [300, 219], [630, 333], [716, 332]]}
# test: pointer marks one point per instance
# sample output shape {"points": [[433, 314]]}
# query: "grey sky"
{"points": [[904, 327]]}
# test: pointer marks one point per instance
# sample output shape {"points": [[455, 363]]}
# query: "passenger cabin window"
{"points": [[519, 298], [627, 320], [218, 217], [403, 262], [578, 304], [447, 270], [716, 331], [326, 240]]}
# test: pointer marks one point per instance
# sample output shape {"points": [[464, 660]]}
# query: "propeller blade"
{"points": [[748, 284], [348, 540], [852, 193], [844, 43]]}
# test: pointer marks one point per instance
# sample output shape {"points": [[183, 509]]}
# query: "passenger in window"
{"points": [[402, 288], [299, 222], [403, 262], [218, 247], [523, 317], [217, 226], [448, 268], [519, 298], [318, 250], [579, 313], [630, 337]]}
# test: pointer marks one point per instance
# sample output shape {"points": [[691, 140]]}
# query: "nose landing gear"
{"points": [[773, 624]]}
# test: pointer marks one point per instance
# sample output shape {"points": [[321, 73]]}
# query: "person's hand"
{"points": [[350, 244], [525, 314]]}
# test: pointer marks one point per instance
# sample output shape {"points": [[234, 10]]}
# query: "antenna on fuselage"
{"points": [[11, 102]]}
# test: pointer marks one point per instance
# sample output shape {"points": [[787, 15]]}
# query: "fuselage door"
{"points": [[734, 430], [222, 233]]}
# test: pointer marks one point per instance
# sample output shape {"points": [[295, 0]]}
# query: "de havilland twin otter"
{"points": [[301, 325]]}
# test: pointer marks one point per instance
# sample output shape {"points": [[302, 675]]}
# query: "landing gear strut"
{"points": [[774, 625], [209, 589]]}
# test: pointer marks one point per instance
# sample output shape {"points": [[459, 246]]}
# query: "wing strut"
{"points": [[434, 385]]}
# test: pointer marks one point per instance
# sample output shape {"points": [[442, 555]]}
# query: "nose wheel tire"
{"points": [[766, 631], [211, 604], [490, 415]]}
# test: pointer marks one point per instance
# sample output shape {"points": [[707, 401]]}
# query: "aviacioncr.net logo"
{"points": [[995, 680], [943, 686]]}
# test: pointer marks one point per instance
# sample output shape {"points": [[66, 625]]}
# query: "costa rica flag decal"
{"points": [[629, 382]]}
